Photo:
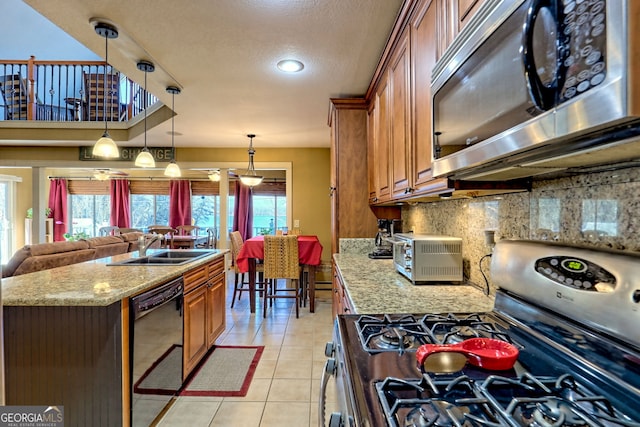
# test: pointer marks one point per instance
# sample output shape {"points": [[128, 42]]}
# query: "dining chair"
{"points": [[212, 239], [187, 230], [167, 234], [129, 230], [240, 285], [281, 262], [109, 230]]}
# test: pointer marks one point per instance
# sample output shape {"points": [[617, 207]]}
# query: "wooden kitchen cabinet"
{"points": [[381, 142], [341, 302], [351, 215], [402, 112], [452, 17], [195, 336], [424, 43], [204, 311], [400, 121], [216, 297]]}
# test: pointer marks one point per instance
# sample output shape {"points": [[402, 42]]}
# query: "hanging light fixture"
{"points": [[105, 147], [250, 178], [214, 176], [173, 170], [145, 159]]}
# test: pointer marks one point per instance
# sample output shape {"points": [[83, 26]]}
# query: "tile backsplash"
{"points": [[596, 210]]}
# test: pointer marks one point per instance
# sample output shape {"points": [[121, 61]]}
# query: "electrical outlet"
{"points": [[296, 223]]}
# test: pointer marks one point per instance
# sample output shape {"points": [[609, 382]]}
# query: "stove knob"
{"points": [[329, 349], [636, 296], [335, 420], [330, 366]]}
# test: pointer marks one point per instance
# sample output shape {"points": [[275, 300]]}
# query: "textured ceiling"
{"points": [[223, 54]]}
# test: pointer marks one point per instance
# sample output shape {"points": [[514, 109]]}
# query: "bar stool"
{"points": [[281, 262], [240, 285]]}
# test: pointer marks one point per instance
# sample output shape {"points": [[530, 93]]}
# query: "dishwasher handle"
{"points": [[156, 297]]}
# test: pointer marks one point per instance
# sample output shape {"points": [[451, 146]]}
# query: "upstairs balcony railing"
{"points": [[68, 91]]}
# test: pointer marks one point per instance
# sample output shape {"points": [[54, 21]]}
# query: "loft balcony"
{"points": [[65, 95]]}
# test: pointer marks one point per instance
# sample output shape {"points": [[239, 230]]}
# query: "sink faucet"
{"points": [[144, 243]]}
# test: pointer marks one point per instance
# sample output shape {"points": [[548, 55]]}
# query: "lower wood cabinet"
{"points": [[341, 302], [195, 337], [204, 311]]}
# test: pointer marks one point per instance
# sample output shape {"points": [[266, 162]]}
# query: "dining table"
{"points": [[309, 254]]}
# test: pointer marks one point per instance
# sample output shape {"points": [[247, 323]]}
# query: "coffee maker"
{"points": [[383, 247]]}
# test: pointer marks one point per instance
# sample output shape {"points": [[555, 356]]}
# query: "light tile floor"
{"points": [[286, 385]]}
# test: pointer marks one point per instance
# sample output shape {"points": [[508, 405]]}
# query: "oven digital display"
{"points": [[574, 265]]}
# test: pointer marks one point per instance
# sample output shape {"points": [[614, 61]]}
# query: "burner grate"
{"points": [[391, 333], [527, 401]]}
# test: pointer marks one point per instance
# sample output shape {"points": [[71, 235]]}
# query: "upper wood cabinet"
{"points": [[400, 114], [400, 132], [381, 141], [423, 58], [452, 17]]}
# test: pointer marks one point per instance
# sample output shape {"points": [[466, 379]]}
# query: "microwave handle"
{"points": [[544, 97]]}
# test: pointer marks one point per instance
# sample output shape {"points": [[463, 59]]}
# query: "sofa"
{"points": [[43, 256]]}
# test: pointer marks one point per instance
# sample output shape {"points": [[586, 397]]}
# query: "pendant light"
{"points": [[173, 170], [145, 159], [214, 176], [105, 147], [250, 178]]}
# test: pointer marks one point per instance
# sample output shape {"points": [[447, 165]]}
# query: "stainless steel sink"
{"points": [[180, 254], [169, 257]]}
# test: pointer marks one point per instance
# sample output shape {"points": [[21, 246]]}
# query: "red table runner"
{"points": [[309, 251]]}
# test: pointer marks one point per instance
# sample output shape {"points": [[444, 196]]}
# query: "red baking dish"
{"points": [[487, 353]]}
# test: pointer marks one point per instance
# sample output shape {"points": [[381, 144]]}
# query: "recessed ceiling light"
{"points": [[290, 65]]}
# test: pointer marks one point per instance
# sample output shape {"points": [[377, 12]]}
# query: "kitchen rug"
{"points": [[224, 371]]}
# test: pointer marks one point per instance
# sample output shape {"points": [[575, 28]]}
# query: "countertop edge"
{"points": [[92, 283]]}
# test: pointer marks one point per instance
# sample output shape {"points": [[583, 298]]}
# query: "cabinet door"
{"points": [[215, 309], [423, 59], [382, 127], [400, 109], [465, 11], [195, 336]]}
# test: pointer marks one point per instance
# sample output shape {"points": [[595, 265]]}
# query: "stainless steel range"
{"points": [[571, 313]]}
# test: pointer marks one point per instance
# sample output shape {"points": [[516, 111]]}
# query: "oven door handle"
{"points": [[329, 370]]}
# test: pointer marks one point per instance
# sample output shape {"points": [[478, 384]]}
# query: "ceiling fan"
{"points": [[105, 174]]}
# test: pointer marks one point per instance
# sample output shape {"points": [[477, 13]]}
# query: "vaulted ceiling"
{"points": [[223, 54]]}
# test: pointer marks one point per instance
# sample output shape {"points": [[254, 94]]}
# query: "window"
{"points": [[269, 214], [88, 214], [149, 203], [7, 195], [149, 209], [89, 207], [205, 211]]}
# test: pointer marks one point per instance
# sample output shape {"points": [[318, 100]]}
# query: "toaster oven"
{"points": [[428, 258]]}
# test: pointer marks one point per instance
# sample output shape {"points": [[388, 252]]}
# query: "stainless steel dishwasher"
{"points": [[156, 350]]}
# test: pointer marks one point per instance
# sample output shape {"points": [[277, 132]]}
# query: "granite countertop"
{"points": [[374, 287], [92, 283]]}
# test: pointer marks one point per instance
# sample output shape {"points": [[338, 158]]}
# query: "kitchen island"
{"points": [[66, 331], [372, 286]]}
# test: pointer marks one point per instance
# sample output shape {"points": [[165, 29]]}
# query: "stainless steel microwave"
{"points": [[533, 86]]}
